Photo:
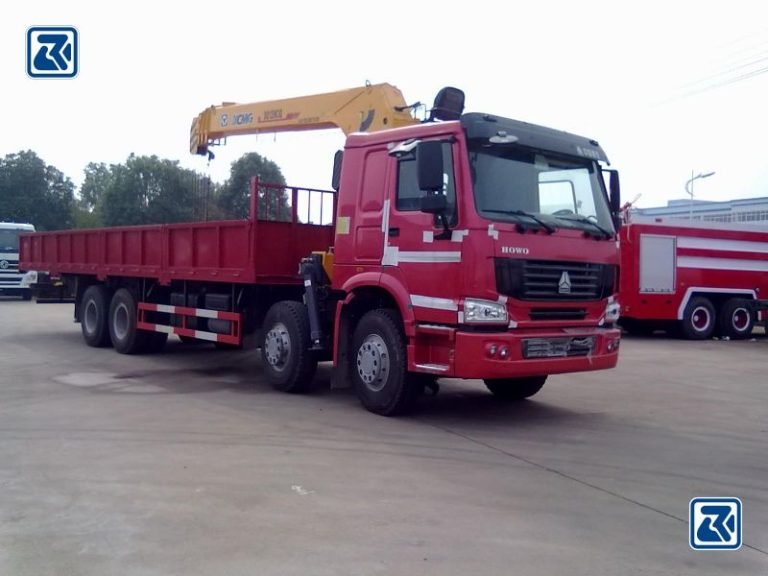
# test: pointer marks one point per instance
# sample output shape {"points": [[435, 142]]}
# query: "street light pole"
{"points": [[689, 189]]}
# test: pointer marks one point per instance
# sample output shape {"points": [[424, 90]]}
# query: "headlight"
{"points": [[612, 312], [484, 312], [28, 279]]}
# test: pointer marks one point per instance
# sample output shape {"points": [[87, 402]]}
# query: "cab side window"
{"points": [[408, 193]]}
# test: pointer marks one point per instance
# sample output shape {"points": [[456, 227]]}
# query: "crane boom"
{"points": [[364, 109]]}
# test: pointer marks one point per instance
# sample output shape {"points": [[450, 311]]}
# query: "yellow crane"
{"points": [[365, 109]]}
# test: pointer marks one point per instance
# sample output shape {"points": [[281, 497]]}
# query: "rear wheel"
{"points": [[126, 338], [736, 319], [698, 321], [514, 389], [26, 295], [379, 369], [94, 311], [289, 365]]}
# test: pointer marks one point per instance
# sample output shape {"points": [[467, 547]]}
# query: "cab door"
{"points": [[418, 250]]}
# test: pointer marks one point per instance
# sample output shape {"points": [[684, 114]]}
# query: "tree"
{"points": [[144, 190], [234, 196], [32, 191]]}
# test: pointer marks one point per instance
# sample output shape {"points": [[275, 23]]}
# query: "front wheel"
{"points": [[514, 389], [698, 321], [289, 364], [379, 369]]}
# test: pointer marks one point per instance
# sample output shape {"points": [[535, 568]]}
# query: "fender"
{"points": [[373, 280]]}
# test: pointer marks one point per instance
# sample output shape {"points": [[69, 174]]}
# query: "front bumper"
{"points": [[473, 359]]}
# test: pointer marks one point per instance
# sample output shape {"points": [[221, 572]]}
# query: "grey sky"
{"points": [[637, 77]]}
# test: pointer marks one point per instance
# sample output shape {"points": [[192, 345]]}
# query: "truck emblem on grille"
{"points": [[3, 264], [564, 286]]}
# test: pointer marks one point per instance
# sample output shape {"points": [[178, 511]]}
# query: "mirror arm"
{"points": [[446, 234]]}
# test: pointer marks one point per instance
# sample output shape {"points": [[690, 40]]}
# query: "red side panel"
{"points": [[239, 251]]}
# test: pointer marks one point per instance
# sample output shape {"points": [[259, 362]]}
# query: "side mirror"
{"points": [[336, 178], [434, 204], [429, 166], [614, 197]]}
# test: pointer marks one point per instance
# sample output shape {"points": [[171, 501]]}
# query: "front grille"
{"points": [[546, 280], [8, 266], [558, 314], [558, 347]]}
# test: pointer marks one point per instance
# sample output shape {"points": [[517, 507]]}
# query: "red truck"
{"points": [[468, 246], [695, 279]]}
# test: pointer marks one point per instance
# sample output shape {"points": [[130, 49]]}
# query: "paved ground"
{"points": [[186, 463]]}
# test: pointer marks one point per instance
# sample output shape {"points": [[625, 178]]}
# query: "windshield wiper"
{"points": [[547, 226], [583, 219]]}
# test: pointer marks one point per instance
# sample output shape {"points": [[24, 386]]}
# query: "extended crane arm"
{"points": [[364, 109]]}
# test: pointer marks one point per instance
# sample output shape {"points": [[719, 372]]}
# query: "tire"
{"points": [[189, 339], [379, 365], [698, 321], [126, 338], [289, 365], [515, 389], [94, 311], [735, 319], [26, 295]]}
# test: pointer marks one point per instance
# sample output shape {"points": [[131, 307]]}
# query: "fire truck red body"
{"points": [[698, 279]]}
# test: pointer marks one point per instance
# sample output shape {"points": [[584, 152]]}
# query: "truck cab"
{"points": [[495, 240], [12, 281]]}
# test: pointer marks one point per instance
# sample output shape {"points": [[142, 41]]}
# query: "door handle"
{"points": [[394, 232]]}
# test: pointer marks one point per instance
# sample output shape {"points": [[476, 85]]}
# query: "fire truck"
{"points": [[692, 278], [459, 245]]}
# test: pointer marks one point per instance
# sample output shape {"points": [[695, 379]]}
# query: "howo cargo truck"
{"points": [[463, 246]]}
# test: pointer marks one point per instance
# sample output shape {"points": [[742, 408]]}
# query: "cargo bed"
{"points": [[264, 249]]}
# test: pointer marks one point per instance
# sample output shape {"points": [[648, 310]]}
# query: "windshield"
{"points": [[562, 191], [9, 240]]}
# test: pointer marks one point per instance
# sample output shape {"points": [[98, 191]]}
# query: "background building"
{"points": [[743, 210]]}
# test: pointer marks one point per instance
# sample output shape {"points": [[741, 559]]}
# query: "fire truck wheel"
{"points": [[698, 321], [289, 365], [513, 389], [379, 364], [94, 310], [126, 338], [736, 319]]}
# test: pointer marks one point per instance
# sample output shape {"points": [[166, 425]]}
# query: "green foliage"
{"points": [[32, 191], [234, 197], [142, 190]]}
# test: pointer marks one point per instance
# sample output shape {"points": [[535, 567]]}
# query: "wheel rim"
{"points": [[701, 319], [277, 347], [120, 321], [373, 362], [90, 316], [740, 319]]}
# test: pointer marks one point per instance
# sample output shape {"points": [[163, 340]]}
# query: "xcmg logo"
{"points": [[52, 52]]}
